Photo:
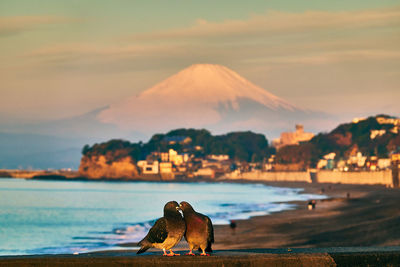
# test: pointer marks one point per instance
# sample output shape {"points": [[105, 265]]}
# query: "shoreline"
{"points": [[370, 217], [291, 228], [336, 221], [326, 236]]}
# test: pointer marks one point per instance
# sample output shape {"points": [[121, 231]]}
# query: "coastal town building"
{"points": [[355, 162], [218, 157], [177, 139], [268, 165], [165, 167], [292, 138], [164, 156], [172, 156], [148, 167], [357, 120], [178, 159], [223, 165], [375, 133], [205, 172], [384, 163], [327, 162], [384, 120]]}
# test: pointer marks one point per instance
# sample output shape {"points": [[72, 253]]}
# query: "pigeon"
{"points": [[199, 230], [166, 232]]}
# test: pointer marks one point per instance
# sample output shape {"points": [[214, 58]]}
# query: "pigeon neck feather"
{"points": [[172, 214]]}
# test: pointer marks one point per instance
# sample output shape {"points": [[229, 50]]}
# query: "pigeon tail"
{"points": [[208, 248], [144, 246]]}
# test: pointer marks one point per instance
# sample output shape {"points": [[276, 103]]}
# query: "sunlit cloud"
{"points": [[18, 24], [88, 49], [274, 22], [312, 37], [332, 57], [323, 52]]}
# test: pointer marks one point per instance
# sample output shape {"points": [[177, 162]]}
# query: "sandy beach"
{"points": [[360, 230], [370, 216]]}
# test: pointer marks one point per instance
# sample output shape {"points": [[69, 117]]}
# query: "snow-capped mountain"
{"points": [[204, 96], [201, 96]]}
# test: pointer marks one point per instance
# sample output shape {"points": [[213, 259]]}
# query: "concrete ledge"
{"points": [[256, 257]]}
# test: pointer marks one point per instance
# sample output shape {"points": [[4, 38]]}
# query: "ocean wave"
{"points": [[135, 232], [129, 234], [74, 222]]}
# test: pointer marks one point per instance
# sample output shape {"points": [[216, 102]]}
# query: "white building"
{"points": [[292, 138], [375, 133], [174, 157], [219, 157], [205, 172], [165, 167], [148, 167]]}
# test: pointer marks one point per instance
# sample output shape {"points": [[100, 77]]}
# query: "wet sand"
{"points": [[369, 217]]}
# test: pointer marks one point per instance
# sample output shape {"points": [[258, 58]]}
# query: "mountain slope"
{"points": [[207, 83], [205, 96]]}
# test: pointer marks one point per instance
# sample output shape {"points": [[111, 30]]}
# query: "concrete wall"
{"points": [[362, 177], [252, 257], [271, 176]]}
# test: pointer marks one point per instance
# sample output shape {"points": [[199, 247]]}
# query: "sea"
{"points": [[72, 217]]}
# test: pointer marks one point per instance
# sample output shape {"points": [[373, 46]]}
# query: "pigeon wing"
{"points": [[210, 230], [158, 233], [210, 234]]}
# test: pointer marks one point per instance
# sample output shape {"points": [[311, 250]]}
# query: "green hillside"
{"points": [[345, 140], [242, 146]]}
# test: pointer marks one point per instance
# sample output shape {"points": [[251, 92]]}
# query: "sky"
{"points": [[60, 59]]}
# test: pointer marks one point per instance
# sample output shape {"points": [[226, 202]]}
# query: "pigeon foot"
{"points": [[171, 254], [204, 253], [190, 253]]}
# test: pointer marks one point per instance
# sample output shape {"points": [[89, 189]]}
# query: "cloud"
{"points": [[332, 57], [273, 22], [311, 38], [80, 49], [316, 59], [100, 58], [270, 40], [18, 24]]}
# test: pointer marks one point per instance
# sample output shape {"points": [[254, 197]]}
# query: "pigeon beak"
{"points": [[179, 210]]}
